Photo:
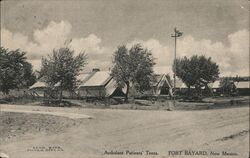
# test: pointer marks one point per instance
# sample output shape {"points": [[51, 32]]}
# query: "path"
{"points": [[138, 130]]}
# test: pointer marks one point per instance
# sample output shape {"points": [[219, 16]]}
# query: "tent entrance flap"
{"points": [[117, 93], [164, 91]]}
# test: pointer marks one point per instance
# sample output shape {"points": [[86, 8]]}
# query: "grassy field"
{"points": [[216, 130]]}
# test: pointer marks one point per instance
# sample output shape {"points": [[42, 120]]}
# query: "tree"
{"points": [[62, 68], [133, 67], [198, 71], [15, 71], [227, 86], [29, 77]]}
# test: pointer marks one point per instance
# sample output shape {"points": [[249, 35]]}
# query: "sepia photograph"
{"points": [[124, 79]]}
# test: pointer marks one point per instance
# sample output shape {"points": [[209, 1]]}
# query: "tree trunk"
{"points": [[188, 91], [197, 89], [127, 91], [210, 90], [6, 91], [60, 97]]}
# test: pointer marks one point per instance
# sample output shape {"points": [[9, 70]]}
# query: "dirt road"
{"points": [[223, 131]]}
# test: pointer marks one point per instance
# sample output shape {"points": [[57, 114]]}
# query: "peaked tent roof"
{"points": [[99, 78], [216, 84], [158, 77], [38, 84], [180, 84], [84, 77], [111, 86], [159, 80]]}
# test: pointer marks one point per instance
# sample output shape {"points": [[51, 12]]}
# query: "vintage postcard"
{"points": [[124, 79]]}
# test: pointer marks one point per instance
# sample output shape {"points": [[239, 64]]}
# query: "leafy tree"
{"points": [[198, 71], [133, 67], [62, 68], [29, 77], [227, 86], [15, 71]]}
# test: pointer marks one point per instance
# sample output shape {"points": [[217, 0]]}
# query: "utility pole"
{"points": [[177, 33]]}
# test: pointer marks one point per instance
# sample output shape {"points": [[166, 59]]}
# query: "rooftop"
{"points": [[38, 84], [242, 84], [98, 78]]}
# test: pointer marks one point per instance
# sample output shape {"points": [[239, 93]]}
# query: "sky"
{"points": [[215, 28]]}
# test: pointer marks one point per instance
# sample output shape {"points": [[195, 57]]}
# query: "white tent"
{"points": [[215, 85], [243, 87], [38, 85], [242, 84], [162, 84], [98, 84], [180, 84], [38, 88]]}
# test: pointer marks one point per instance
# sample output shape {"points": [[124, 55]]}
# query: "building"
{"points": [[215, 86], [242, 88], [162, 86], [180, 87], [41, 89], [98, 84], [38, 88]]}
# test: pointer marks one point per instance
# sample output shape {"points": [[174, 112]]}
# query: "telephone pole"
{"points": [[176, 34]]}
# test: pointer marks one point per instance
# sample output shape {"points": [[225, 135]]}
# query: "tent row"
{"points": [[242, 87], [100, 84]]}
